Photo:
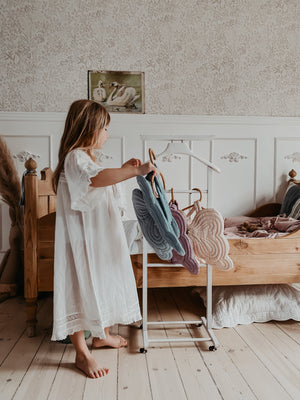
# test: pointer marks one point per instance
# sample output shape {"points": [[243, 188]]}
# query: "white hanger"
{"points": [[182, 148]]}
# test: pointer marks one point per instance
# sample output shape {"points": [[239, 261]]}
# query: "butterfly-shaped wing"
{"points": [[150, 230], [209, 243], [160, 212], [188, 260]]}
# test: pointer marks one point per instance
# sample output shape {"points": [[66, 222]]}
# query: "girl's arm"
{"points": [[110, 176]]}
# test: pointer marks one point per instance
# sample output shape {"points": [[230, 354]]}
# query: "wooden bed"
{"points": [[255, 261]]}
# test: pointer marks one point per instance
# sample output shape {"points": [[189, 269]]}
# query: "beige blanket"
{"points": [[259, 227]]}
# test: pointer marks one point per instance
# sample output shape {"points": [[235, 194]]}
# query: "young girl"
{"points": [[94, 285]]}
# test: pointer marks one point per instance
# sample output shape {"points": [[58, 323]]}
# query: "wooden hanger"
{"points": [[152, 159], [198, 190], [172, 196]]}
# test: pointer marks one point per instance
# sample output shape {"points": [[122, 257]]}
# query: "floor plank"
{"points": [[287, 346], [107, 386], [256, 361], [291, 328], [69, 382], [280, 367], [40, 375], [263, 384], [133, 377], [12, 326], [226, 375], [165, 380], [195, 376], [20, 358]]}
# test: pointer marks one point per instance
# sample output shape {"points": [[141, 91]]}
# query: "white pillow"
{"points": [[233, 305]]}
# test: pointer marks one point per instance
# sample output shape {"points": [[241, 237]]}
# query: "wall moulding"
{"points": [[159, 119]]}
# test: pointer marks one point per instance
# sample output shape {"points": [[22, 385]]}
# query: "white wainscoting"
{"points": [[254, 153]]}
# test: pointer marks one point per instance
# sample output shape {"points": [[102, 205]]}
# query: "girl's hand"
{"points": [[144, 169], [133, 162]]}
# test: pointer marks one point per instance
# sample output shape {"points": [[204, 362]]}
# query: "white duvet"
{"points": [[233, 305]]}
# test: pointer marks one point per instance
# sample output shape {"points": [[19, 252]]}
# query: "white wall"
{"points": [[266, 150]]}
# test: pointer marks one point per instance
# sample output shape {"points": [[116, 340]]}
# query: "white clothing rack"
{"points": [[205, 321]]}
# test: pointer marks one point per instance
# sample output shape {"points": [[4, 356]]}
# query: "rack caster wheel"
{"points": [[212, 348], [143, 351], [198, 325], [141, 326]]}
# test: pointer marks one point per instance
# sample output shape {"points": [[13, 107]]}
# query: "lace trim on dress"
{"points": [[77, 322]]}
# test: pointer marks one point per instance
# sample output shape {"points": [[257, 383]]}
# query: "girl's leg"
{"points": [[84, 359], [115, 341]]}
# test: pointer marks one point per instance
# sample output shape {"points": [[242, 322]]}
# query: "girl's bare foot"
{"points": [[89, 366], [110, 340]]}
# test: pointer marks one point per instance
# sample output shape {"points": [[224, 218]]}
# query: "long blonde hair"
{"points": [[84, 120]]}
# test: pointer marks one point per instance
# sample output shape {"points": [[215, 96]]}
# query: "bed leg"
{"points": [[31, 309], [30, 244]]}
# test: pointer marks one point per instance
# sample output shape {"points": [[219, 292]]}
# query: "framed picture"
{"points": [[118, 91]]}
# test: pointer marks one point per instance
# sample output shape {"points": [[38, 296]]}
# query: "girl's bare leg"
{"points": [[84, 359], [115, 341]]}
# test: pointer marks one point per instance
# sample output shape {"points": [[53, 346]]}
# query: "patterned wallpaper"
{"points": [[203, 57]]}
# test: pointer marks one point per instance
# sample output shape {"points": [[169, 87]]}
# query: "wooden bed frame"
{"points": [[255, 261]]}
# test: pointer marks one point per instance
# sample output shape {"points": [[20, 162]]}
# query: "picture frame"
{"points": [[118, 91]]}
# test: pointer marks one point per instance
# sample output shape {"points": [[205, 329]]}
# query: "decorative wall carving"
{"points": [[295, 157], [170, 157], [234, 157], [25, 155], [102, 156]]}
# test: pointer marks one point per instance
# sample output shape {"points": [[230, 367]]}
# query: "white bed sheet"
{"points": [[134, 236]]}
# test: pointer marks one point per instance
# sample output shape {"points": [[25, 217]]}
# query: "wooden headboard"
{"points": [[39, 223]]}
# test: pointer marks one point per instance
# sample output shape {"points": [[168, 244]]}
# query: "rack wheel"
{"points": [[142, 350], [141, 326], [199, 325], [212, 348]]}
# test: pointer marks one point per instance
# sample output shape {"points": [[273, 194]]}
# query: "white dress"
{"points": [[94, 285]]}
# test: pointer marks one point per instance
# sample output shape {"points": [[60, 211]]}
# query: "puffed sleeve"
{"points": [[79, 169]]}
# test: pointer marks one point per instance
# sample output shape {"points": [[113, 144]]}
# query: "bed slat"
{"points": [[264, 246], [45, 275]]}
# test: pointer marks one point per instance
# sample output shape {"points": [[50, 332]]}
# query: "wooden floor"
{"points": [[257, 361]]}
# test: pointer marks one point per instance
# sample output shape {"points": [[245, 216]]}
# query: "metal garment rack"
{"points": [[206, 322]]}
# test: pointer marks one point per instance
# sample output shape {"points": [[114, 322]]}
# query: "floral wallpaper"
{"points": [[203, 57]]}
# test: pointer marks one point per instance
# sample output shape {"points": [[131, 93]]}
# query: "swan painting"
{"points": [[118, 91], [99, 93], [122, 96]]}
